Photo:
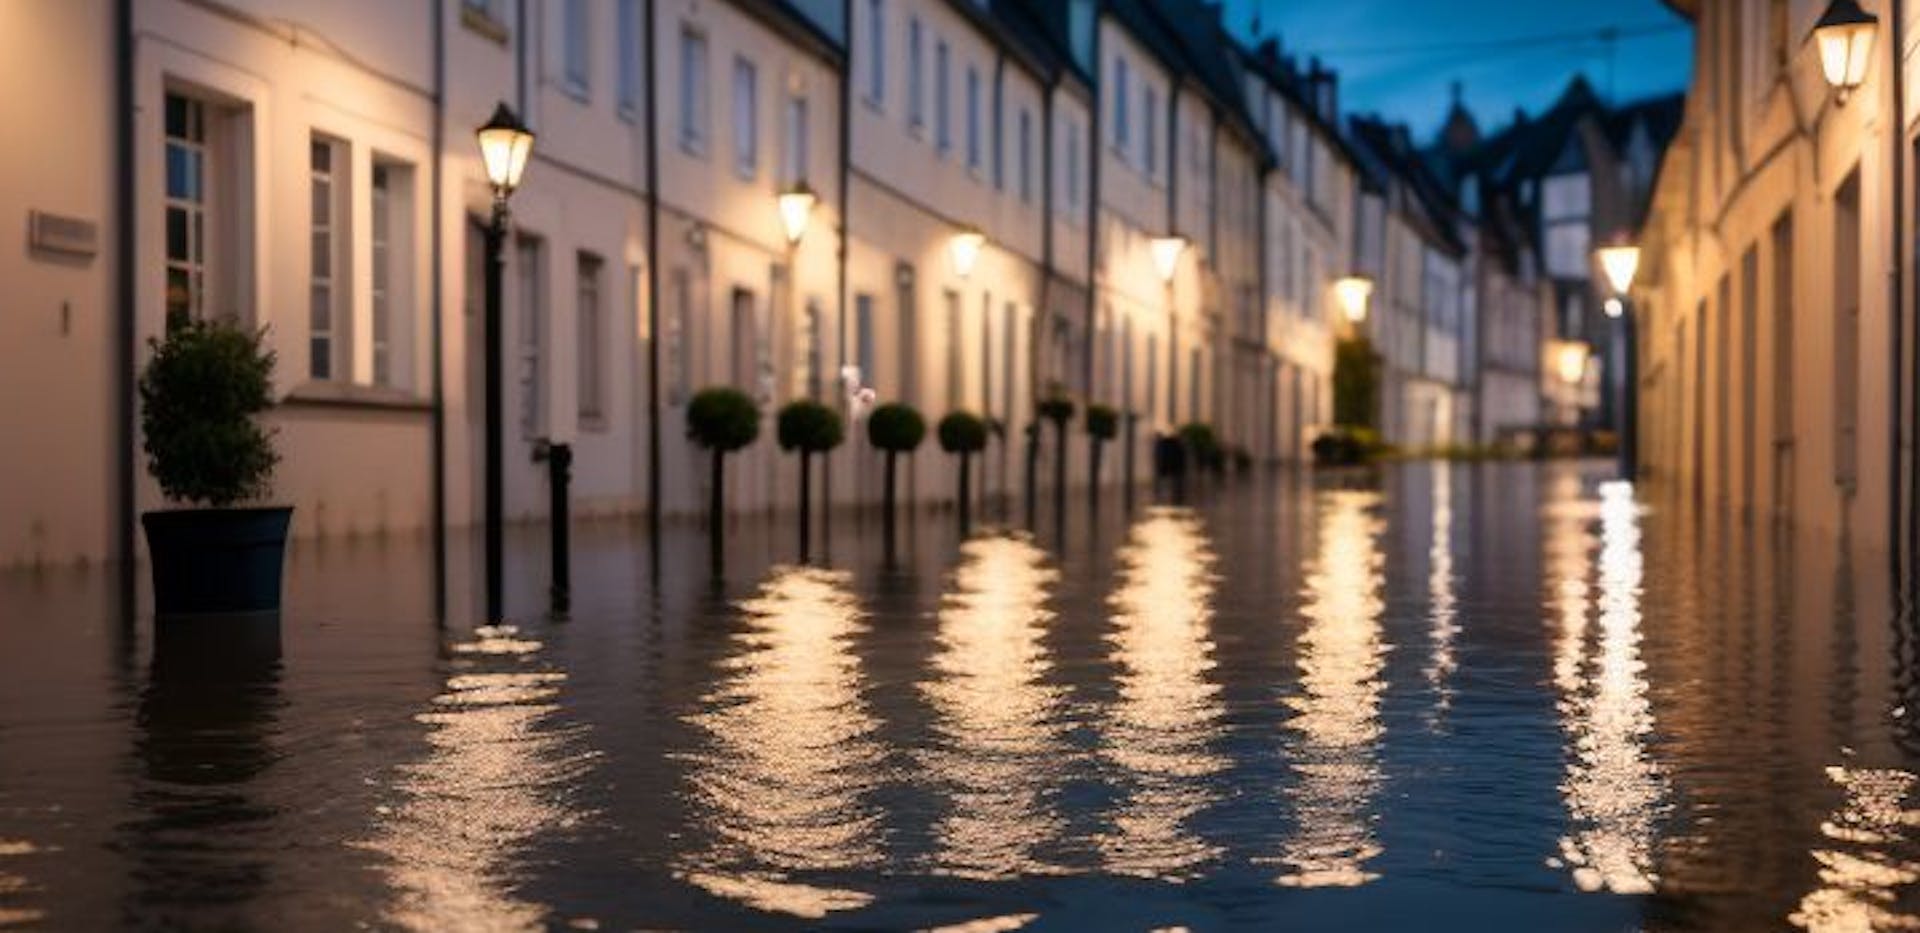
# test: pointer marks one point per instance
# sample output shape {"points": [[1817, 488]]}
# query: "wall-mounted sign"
{"points": [[58, 233]]}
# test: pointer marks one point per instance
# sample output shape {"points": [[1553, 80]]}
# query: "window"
{"points": [[876, 52], [807, 377], [798, 134], [693, 91], [187, 180], [529, 295], [574, 32], [974, 141], [1150, 130], [863, 337], [744, 350], [1024, 139], [324, 341], [908, 358], [1566, 203], [746, 118], [381, 252], [942, 106], [627, 58], [1846, 336], [916, 78], [1122, 89], [590, 333], [679, 325], [1072, 159], [996, 121], [956, 340]]}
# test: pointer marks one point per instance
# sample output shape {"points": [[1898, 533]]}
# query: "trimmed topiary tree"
{"points": [[808, 427], [894, 428], [721, 420], [1203, 446], [1102, 424], [1057, 408], [201, 396], [963, 434]]}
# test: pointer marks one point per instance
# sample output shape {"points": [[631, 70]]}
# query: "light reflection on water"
{"points": [[1166, 715], [1862, 872], [497, 773], [1614, 791], [1337, 705], [15, 888], [790, 755], [999, 746], [1443, 603]]}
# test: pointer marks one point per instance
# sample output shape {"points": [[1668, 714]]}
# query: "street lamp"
{"points": [[796, 208], [1570, 363], [965, 250], [1620, 264], [1166, 255], [1353, 292], [1845, 34], [505, 147]]}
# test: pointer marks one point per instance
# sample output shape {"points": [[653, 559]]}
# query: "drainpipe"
{"points": [[1896, 293], [123, 336], [1096, 140], [653, 293], [434, 249], [844, 255]]}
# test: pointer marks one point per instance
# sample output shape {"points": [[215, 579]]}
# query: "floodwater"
{"points": [[1441, 697]]}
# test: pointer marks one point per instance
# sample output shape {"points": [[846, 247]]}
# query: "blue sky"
{"points": [[1399, 57]]}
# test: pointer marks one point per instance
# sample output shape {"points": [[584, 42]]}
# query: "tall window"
{"points": [[1024, 139], [383, 298], [876, 52], [1782, 375], [186, 129], [746, 118], [1072, 159], [863, 337], [797, 134], [955, 339], [530, 311], [693, 90], [1122, 90], [975, 144], [908, 358], [808, 362], [627, 57], [1567, 202], [942, 103], [323, 337], [679, 324], [1846, 338], [590, 332], [916, 75], [575, 30], [1150, 130]]}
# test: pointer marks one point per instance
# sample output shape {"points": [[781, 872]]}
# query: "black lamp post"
{"points": [[505, 145], [1619, 263]]}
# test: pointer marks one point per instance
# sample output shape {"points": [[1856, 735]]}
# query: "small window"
{"points": [[975, 144], [746, 118], [575, 28], [590, 331], [629, 56], [325, 340], [530, 310], [942, 105], [693, 91], [1150, 127], [187, 155], [799, 139], [382, 256], [916, 79], [876, 52], [1122, 89], [1073, 167], [863, 337], [1024, 140], [679, 327]]}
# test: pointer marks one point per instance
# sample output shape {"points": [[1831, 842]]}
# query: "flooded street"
{"points": [[1443, 697]]}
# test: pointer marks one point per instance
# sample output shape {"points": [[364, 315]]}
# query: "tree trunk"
{"points": [[966, 498], [886, 506], [1060, 471], [806, 499], [1033, 470], [717, 513], [1093, 471]]}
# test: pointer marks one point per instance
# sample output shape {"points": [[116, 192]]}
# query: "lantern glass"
{"points": [[1353, 292], [1166, 255], [1571, 362], [505, 146], [1620, 264], [1845, 35], [966, 247], [796, 208]]}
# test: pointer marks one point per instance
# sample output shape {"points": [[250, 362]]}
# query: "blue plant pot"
{"points": [[209, 562]]}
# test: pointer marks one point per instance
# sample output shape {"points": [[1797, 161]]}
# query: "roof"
{"points": [[1388, 156]]}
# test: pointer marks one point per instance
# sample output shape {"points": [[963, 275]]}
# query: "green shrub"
{"points": [[723, 419], [1056, 408], [1102, 422], [809, 427], [1348, 446], [896, 428], [200, 399], [962, 433]]}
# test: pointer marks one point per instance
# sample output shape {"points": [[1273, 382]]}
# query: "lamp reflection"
{"points": [[790, 752], [14, 888], [496, 774], [1337, 708], [1443, 603], [999, 739], [1860, 876], [1166, 714], [1613, 790]]}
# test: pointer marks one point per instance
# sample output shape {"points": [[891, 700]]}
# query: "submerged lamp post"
{"points": [[1619, 263], [1166, 261], [1844, 34], [505, 145]]}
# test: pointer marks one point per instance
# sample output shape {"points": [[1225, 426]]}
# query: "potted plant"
{"points": [[1057, 408], [722, 420], [809, 428], [963, 434], [1102, 424], [894, 428], [201, 397]]}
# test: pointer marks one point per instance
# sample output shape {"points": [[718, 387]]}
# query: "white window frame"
{"points": [[746, 118], [693, 89], [576, 48], [329, 356], [592, 339]]}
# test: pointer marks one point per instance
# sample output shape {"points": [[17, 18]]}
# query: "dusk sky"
{"points": [[1398, 57]]}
